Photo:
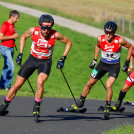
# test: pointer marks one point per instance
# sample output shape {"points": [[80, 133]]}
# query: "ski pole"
{"points": [[31, 86], [68, 86], [103, 84]]}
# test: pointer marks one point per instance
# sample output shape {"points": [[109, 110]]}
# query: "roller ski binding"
{"points": [[122, 109], [117, 107], [36, 113], [72, 108]]}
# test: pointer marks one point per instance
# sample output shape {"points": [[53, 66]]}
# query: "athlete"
{"points": [[110, 45], [128, 84], [43, 41]]}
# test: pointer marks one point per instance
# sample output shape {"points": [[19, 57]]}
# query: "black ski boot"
{"points": [[107, 111], [3, 108], [36, 111], [117, 106], [80, 104]]}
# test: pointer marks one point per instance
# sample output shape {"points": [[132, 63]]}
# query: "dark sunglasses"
{"points": [[110, 33], [44, 28]]}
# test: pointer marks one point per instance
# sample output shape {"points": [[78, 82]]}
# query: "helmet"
{"points": [[46, 20], [110, 26]]}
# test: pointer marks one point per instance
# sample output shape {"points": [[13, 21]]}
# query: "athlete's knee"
{"points": [[40, 83], [125, 89], [16, 86], [108, 86], [91, 82], [89, 85]]}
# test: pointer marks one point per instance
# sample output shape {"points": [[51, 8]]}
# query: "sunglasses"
{"points": [[110, 33], [44, 28]]}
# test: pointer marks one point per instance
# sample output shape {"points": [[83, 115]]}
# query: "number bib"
{"points": [[110, 52]]}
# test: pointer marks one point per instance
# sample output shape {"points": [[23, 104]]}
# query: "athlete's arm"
{"points": [[64, 40], [23, 38], [97, 48], [130, 69], [128, 45], [131, 61]]}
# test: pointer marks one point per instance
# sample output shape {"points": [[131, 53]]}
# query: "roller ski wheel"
{"points": [[106, 115], [83, 110], [122, 109], [126, 103], [4, 113], [101, 108], [61, 109], [129, 103], [36, 117]]}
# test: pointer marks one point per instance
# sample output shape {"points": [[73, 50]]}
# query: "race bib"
{"points": [[94, 73]]}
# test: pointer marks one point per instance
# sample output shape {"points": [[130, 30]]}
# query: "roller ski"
{"points": [[76, 108], [122, 109], [129, 103], [36, 113], [73, 108], [117, 107]]}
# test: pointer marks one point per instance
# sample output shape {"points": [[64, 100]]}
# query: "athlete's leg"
{"points": [[122, 95], [40, 88], [88, 86], [42, 77], [109, 83], [12, 92], [96, 74], [84, 94], [128, 84]]}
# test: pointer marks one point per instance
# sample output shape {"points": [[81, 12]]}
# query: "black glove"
{"points": [[19, 59], [125, 66], [60, 63], [93, 64]]}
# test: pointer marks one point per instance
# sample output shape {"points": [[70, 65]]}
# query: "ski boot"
{"points": [[117, 106], [3, 108], [72, 108], [36, 112], [80, 104], [107, 112]]}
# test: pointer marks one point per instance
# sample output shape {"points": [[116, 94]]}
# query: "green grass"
{"points": [[83, 19], [76, 67], [125, 129]]}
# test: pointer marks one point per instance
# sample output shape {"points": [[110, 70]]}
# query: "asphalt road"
{"points": [[19, 120]]}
